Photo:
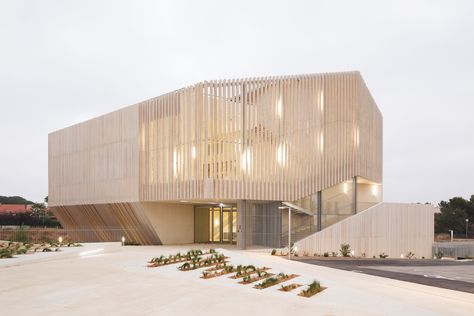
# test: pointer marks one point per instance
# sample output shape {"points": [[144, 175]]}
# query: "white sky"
{"points": [[62, 62]]}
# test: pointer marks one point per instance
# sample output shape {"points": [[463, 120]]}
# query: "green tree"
{"points": [[453, 215], [14, 200]]}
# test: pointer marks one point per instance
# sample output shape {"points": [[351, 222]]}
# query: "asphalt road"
{"points": [[453, 275]]}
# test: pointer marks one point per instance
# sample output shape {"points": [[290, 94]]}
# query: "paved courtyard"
{"points": [[448, 274], [106, 279]]}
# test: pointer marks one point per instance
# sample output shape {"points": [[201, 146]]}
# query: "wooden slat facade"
{"points": [[260, 139], [278, 138]]}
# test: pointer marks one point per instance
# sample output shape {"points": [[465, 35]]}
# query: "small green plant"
{"points": [[289, 287], [439, 254], [6, 253], [410, 255], [345, 250], [47, 250], [267, 282], [21, 251], [212, 250], [326, 254], [185, 266], [313, 288], [383, 255], [274, 252]]}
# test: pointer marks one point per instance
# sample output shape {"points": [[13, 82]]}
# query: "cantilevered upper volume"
{"points": [[214, 161], [273, 139]]}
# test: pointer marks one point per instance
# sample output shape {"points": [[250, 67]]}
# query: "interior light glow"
{"points": [[374, 189], [279, 107], [246, 160], [321, 100], [281, 155], [176, 163], [321, 142], [346, 189], [193, 152]]}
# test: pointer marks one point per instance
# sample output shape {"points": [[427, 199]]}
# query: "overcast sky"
{"points": [[62, 62]]}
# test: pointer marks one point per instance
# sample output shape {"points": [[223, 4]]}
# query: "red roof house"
{"points": [[14, 208]]}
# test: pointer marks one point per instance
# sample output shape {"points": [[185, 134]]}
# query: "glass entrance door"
{"points": [[221, 224], [229, 224]]}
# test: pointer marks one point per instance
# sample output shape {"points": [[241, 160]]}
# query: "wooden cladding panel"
{"points": [[279, 138], [108, 222], [273, 138], [95, 161]]}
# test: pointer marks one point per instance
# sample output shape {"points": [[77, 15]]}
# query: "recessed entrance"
{"points": [[215, 224]]}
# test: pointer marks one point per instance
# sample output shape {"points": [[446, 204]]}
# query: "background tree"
{"points": [[453, 215], [14, 200]]}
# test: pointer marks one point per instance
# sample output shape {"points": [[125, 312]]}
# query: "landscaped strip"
{"points": [[8, 249], [289, 287], [243, 271], [313, 288], [212, 273], [259, 275], [281, 277]]}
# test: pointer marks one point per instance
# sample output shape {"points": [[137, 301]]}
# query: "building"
{"points": [[215, 162], [14, 208]]}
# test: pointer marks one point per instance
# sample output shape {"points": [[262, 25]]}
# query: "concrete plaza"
{"points": [[107, 279]]}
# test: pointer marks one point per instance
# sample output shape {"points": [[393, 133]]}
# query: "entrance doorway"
{"points": [[215, 224]]}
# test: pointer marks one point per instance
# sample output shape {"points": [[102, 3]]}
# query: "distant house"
{"points": [[14, 208]]}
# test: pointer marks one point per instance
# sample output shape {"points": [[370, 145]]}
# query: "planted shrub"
{"points": [[21, 251], [439, 254], [267, 283], [289, 287], [281, 277], [410, 255], [274, 252], [6, 253], [313, 288], [326, 254], [383, 255], [345, 250]]}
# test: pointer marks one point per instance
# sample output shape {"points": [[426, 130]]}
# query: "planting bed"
{"points": [[281, 277]]}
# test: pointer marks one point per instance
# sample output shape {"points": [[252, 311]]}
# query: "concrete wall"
{"points": [[393, 228], [173, 223]]}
